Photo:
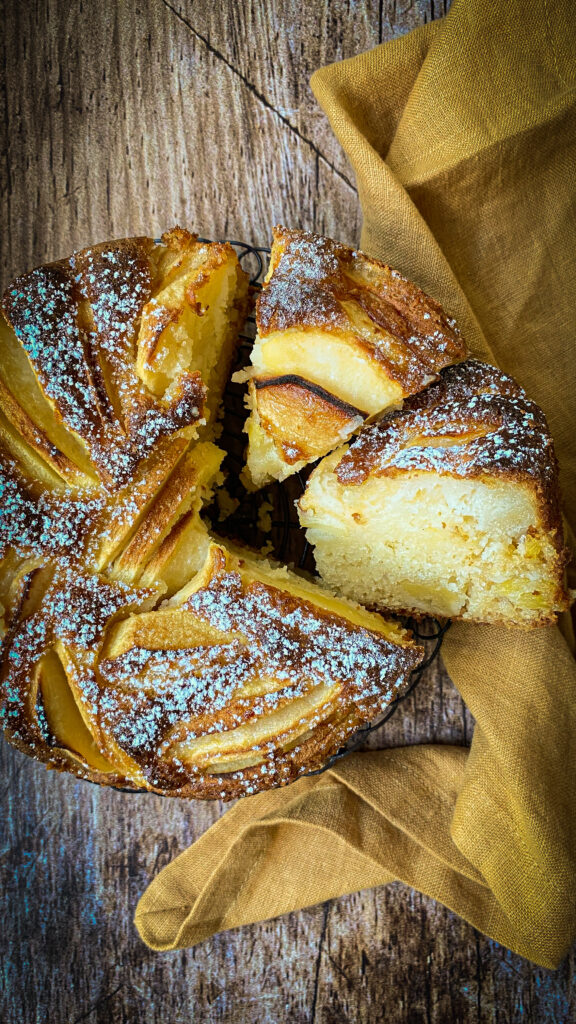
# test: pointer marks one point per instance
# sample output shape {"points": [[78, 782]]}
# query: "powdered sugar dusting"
{"points": [[74, 609], [284, 645], [78, 321], [482, 418], [45, 524], [314, 283]]}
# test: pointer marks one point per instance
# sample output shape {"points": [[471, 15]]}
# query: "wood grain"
{"points": [[124, 117]]}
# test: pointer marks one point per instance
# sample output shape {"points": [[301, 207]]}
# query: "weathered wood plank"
{"points": [[153, 130], [125, 117]]}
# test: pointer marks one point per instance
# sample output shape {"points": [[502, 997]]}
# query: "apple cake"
{"points": [[88, 435], [340, 338], [244, 679], [136, 651], [449, 507]]}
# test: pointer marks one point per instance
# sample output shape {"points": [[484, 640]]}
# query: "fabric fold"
{"points": [[327, 839], [462, 137]]}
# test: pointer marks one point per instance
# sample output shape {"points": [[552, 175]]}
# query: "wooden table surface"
{"points": [[126, 117]]}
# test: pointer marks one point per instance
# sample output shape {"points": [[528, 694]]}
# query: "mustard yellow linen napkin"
{"points": [[462, 136]]}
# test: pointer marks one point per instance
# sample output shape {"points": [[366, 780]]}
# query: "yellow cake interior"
{"points": [[340, 338], [332, 360], [475, 548]]}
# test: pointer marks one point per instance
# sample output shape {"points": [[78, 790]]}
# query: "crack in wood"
{"points": [[326, 911], [259, 96], [99, 1002], [340, 969], [478, 977]]}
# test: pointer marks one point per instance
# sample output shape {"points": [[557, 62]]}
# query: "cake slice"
{"points": [[449, 507], [341, 337]]}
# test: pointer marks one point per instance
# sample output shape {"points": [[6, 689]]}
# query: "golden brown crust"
{"points": [[70, 343], [93, 680], [474, 421], [219, 663], [42, 522], [311, 281], [78, 322], [349, 329], [69, 609]]}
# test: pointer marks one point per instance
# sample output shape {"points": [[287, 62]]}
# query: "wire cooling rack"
{"points": [[268, 519]]}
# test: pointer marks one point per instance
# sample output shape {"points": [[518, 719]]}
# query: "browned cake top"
{"points": [[312, 278], [260, 649], [42, 523], [53, 606], [76, 522], [474, 421], [78, 321], [265, 633], [72, 334]]}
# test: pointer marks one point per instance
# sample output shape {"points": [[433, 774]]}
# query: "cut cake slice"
{"points": [[449, 507], [341, 337]]}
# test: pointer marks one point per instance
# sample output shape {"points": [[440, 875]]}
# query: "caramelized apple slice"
{"points": [[300, 420]]}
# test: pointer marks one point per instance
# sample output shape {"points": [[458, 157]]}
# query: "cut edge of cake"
{"points": [[449, 508], [341, 337]]}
